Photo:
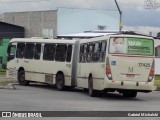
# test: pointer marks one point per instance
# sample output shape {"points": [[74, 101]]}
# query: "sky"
{"points": [[134, 12]]}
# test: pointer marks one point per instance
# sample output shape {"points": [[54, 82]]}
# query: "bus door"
{"points": [[11, 53]]}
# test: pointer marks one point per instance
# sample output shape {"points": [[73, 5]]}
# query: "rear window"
{"points": [[131, 46]]}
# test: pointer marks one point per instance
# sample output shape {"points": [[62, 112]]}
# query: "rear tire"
{"points": [[60, 82], [21, 78], [91, 91]]}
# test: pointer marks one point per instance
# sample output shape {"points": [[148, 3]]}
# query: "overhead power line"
{"points": [[23, 1]]}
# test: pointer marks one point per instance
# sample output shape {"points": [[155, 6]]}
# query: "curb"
{"points": [[9, 86]]}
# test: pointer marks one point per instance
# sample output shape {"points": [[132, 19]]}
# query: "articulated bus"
{"points": [[109, 63]]}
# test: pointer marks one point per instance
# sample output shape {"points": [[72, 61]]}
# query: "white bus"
{"points": [[114, 62]]}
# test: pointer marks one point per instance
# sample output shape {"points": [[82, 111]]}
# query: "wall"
{"points": [[34, 22]]}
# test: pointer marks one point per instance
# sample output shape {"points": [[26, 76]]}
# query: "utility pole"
{"points": [[120, 12]]}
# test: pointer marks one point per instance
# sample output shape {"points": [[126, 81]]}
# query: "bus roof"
{"points": [[95, 34], [113, 35], [41, 40], [99, 36], [84, 35]]}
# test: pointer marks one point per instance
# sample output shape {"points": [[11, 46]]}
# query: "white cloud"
{"points": [[53, 4]]}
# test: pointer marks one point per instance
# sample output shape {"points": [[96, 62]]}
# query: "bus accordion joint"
{"points": [[151, 74]]}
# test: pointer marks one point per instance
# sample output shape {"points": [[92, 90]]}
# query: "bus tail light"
{"points": [[108, 72], [151, 74]]}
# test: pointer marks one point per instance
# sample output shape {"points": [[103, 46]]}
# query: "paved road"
{"points": [[37, 97]]}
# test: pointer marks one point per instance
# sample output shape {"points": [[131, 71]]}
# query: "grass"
{"points": [[157, 77], [157, 81], [2, 73], [4, 83]]}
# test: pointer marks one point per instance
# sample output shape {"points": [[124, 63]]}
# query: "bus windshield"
{"points": [[131, 46]]}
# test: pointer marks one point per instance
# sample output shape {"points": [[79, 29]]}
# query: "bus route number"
{"points": [[144, 65]]}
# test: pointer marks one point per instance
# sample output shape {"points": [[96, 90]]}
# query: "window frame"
{"points": [[59, 56], [28, 50], [39, 52], [45, 55], [22, 52]]}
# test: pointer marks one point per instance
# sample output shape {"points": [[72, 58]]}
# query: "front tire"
{"points": [[21, 78]]}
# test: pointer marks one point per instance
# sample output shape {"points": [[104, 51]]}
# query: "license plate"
{"points": [[130, 75]]}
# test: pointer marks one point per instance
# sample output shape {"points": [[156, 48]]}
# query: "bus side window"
{"points": [[49, 52], [11, 52], [157, 51], [69, 53], [20, 50], [37, 51], [102, 52], [85, 53], [61, 53], [81, 53], [29, 51], [95, 56], [90, 52]]}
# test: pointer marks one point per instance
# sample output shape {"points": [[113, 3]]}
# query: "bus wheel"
{"points": [[60, 82], [130, 94], [91, 91], [21, 78]]}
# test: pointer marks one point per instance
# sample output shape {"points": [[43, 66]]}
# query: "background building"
{"points": [[11, 31], [144, 29], [35, 23], [63, 21]]}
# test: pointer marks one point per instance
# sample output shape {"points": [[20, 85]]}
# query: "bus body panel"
{"points": [[127, 68], [96, 70]]}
